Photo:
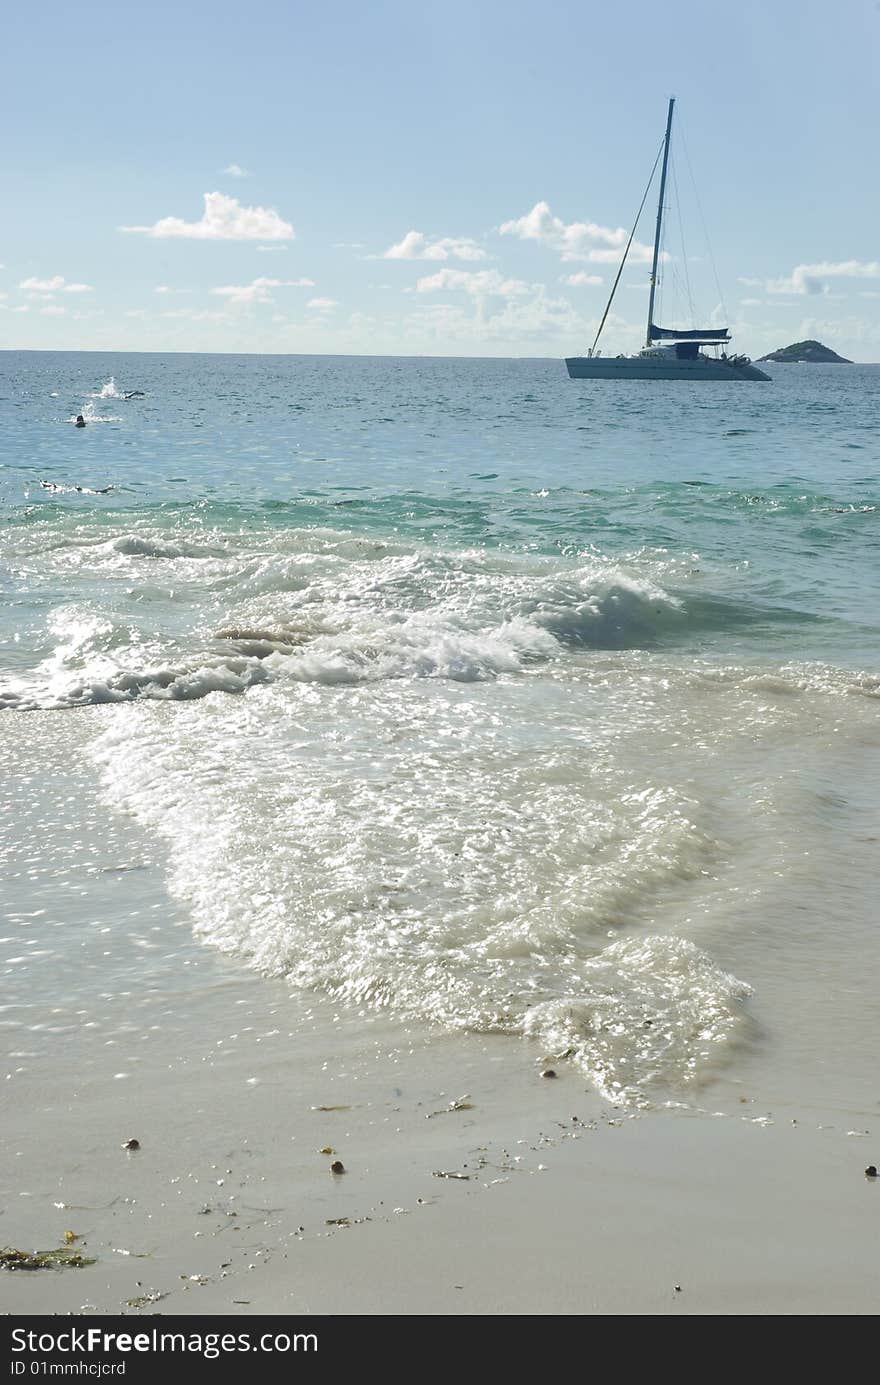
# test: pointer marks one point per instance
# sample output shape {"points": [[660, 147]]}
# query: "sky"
{"points": [[422, 179]]}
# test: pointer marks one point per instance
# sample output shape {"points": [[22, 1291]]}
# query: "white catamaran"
{"points": [[667, 354]]}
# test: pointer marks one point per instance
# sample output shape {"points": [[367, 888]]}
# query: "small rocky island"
{"points": [[811, 351]]}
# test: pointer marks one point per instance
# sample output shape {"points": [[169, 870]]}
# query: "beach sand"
{"points": [[563, 1205], [737, 1201], [223, 1212]]}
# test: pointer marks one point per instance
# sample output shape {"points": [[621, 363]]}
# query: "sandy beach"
{"points": [[334, 814], [552, 1204], [439, 674], [552, 1201]]}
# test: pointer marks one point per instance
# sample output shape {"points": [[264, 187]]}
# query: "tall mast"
{"points": [[659, 226]]}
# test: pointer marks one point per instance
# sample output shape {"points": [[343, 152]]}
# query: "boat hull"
{"points": [[655, 368]]}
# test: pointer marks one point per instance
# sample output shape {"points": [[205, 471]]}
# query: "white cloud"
{"points": [[859, 331], [257, 291], [236, 171], [135, 312], [582, 279], [528, 319], [798, 282], [57, 284], [224, 218], [750, 302], [192, 315], [577, 240], [810, 278], [478, 283], [504, 310], [267, 248], [53, 311], [322, 304], [416, 246], [43, 285]]}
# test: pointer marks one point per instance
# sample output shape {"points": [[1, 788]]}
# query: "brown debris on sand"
{"points": [[12, 1259]]}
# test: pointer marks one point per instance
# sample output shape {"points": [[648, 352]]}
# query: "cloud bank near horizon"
{"points": [[810, 278], [258, 290]]}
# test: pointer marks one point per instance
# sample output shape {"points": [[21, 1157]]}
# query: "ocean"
{"points": [[449, 694]]}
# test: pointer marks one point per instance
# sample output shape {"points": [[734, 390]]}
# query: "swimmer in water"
{"points": [[80, 421], [83, 490]]}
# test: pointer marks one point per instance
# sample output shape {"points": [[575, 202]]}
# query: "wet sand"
{"points": [[741, 1200], [561, 1206]]}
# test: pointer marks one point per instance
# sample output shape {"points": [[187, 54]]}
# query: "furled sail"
{"points": [[696, 334]]}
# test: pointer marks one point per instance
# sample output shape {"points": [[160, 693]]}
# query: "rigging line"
{"points": [[626, 251], [703, 221], [684, 258]]}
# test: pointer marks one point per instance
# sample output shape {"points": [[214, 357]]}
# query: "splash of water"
{"points": [[90, 414], [108, 390]]}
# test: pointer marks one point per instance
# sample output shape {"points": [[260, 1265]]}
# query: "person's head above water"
{"points": [[80, 421]]}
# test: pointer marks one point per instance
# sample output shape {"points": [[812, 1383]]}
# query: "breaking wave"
{"points": [[335, 611], [470, 883]]}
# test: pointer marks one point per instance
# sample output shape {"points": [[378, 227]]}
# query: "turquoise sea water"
{"points": [[460, 689]]}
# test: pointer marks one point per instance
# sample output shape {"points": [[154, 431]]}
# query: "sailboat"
{"points": [[667, 354]]}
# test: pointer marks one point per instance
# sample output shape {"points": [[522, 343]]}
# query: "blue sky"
{"points": [[514, 140]]}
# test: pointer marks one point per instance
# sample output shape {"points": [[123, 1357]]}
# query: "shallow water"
{"points": [[458, 691]]}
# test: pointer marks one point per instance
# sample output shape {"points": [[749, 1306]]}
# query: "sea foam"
{"points": [[432, 856]]}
